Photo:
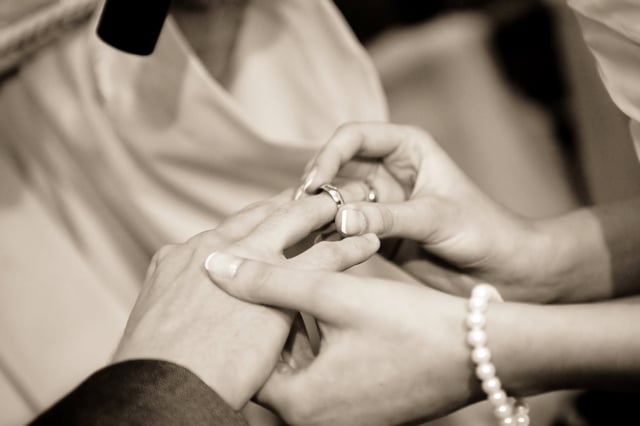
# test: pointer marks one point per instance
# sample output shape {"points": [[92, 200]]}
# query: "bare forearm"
{"points": [[543, 348], [620, 225], [592, 254]]}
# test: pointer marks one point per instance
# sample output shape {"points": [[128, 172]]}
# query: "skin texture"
{"points": [[387, 347], [395, 353], [424, 197], [232, 345]]}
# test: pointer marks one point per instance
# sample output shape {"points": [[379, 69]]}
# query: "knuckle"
{"points": [[352, 128], [162, 253], [256, 205], [159, 258], [386, 219], [205, 241], [285, 210], [151, 269]]}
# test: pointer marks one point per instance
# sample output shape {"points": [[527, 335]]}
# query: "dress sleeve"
{"points": [[142, 392], [611, 29]]}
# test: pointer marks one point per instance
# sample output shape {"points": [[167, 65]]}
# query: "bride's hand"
{"points": [[391, 352], [424, 196]]}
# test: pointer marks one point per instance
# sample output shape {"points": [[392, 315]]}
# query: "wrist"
{"points": [[509, 333], [529, 258], [442, 357], [572, 259], [506, 408], [514, 334], [524, 271], [212, 367]]}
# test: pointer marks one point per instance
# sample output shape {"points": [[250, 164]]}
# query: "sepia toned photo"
{"points": [[320, 212]]}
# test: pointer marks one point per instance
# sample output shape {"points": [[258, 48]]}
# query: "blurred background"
{"points": [[507, 87]]}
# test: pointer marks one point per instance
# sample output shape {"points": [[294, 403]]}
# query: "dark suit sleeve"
{"points": [[142, 392]]}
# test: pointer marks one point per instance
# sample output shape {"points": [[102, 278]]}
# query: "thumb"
{"points": [[415, 219]]}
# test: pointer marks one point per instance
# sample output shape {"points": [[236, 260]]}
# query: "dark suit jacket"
{"points": [[142, 392]]}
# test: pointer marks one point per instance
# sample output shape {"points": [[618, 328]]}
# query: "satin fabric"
{"points": [[611, 29], [107, 156]]}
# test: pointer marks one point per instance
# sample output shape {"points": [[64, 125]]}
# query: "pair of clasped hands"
{"points": [[391, 352]]}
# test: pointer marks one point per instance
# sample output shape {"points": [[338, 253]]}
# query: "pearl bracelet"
{"points": [[508, 410]]}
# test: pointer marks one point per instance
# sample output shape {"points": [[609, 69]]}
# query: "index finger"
{"points": [[243, 222], [293, 221], [364, 140]]}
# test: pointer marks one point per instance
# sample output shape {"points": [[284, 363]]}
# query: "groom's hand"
{"points": [[232, 345]]}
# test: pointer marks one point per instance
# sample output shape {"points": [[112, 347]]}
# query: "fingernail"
{"points": [[352, 222], [308, 180], [309, 165], [222, 265], [299, 193]]}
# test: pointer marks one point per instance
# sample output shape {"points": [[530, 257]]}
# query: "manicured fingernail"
{"points": [[222, 265], [352, 222], [308, 180], [309, 165], [299, 193]]}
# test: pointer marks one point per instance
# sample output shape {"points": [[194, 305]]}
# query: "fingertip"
{"points": [[351, 221], [369, 244], [373, 239]]}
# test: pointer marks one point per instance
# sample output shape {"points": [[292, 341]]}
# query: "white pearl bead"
{"points": [[481, 354], [482, 291], [476, 320], [508, 421], [498, 398], [522, 408], [491, 385], [485, 371], [522, 421], [477, 305], [477, 337], [503, 411]]}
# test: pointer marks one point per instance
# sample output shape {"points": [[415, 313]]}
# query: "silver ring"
{"points": [[372, 195], [334, 193]]}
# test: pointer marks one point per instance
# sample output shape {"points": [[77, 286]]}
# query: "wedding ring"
{"points": [[334, 193], [372, 195]]}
